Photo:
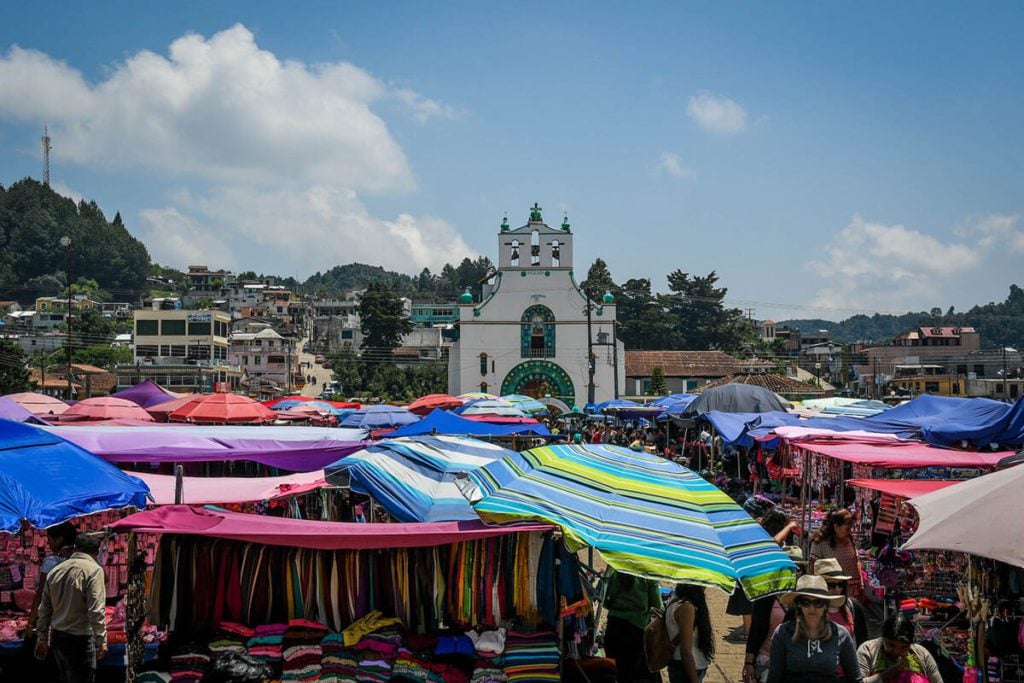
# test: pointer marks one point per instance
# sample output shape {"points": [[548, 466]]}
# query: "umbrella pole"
{"points": [[179, 484], [602, 588], [805, 504]]}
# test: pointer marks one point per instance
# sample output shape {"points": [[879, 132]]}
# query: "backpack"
{"points": [[658, 647]]}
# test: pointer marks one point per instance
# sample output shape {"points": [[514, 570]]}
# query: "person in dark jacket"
{"points": [[629, 600]]}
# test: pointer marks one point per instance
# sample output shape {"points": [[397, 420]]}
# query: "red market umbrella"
{"points": [[108, 408], [161, 411], [39, 404], [223, 409], [424, 404]]}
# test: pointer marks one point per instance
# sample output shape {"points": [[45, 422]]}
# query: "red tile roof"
{"points": [[786, 387], [681, 363]]}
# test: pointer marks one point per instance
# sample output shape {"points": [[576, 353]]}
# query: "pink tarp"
{"points": [[222, 490], [903, 488], [907, 454], [300, 533]]}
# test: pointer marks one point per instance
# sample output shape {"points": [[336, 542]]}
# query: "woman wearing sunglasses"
{"points": [[850, 614], [811, 648]]}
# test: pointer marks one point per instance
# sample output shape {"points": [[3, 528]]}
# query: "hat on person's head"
{"points": [[830, 568], [795, 553], [810, 586]]}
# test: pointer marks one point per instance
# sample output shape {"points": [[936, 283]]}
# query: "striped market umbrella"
{"points": [[474, 395], [489, 406], [646, 515], [527, 404]]}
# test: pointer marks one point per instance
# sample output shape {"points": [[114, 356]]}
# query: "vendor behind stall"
{"points": [[896, 656]]}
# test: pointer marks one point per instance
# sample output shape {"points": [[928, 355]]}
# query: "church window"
{"points": [[537, 336], [535, 248], [514, 257], [483, 387], [556, 253], [483, 363]]}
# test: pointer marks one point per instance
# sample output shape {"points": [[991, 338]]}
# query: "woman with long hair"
{"points": [[689, 626], [811, 648], [850, 614], [834, 539]]}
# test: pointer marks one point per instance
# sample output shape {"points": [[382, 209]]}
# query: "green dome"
{"points": [[466, 297], [608, 298]]}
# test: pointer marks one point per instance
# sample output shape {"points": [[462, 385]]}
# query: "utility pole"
{"points": [[46, 156], [65, 242], [1006, 391], [590, 352], [289, 359], [615, 356]]}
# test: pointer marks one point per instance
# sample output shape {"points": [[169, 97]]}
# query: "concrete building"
{"points": [[268, 358], [529, 334], [177, 336]]}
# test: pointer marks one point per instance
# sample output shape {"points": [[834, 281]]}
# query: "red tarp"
{"points": [[223, 409], [300, 533], [902, 455], [903, 488]]}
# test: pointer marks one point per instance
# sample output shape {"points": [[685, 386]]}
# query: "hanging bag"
{"points": [[658, 647]]}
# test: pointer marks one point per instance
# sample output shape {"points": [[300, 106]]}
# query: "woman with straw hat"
{"points": [[812, 649], [850, 614]]}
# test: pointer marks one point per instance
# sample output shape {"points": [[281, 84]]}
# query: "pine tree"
{"points": [[657, 386]]}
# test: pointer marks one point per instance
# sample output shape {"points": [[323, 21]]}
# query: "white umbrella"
{"points": [[976, 517]]}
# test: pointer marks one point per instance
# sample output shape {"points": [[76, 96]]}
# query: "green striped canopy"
{"points": [[646, 515]]}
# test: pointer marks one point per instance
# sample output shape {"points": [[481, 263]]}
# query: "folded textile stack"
{"points": [[301, 651], [488, 672], [153, 677], [189, 665], [409, 667], [231, 639], [338, 664], [265, 644], [531, 657]]}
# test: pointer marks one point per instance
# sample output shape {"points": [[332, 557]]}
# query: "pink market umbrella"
{"points": [[425, 404], [39, 404], [161, 411], [109, 408], [223, 409]]}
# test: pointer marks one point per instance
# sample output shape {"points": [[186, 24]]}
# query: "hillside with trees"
{"points": [[999, 324], [33, 218]]}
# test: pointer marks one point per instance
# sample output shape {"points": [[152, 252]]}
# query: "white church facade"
{"points": [[529, 333]]}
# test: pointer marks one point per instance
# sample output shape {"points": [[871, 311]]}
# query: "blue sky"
{"points": [[824, 159]]}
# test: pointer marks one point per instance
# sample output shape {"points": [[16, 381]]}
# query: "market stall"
{"points": [[353, 594]]}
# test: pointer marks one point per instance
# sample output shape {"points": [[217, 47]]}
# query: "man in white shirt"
{"points": [[72, 613]]}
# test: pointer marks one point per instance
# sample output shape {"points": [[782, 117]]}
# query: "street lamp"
{"points": [[65, 242]]}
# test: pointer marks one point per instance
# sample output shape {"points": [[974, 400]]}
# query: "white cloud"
{"points": [[423, 108], [289, 231], [277, 150], [63, 190], [717, 114], [995, 230], [871, 265], [670, 164]]}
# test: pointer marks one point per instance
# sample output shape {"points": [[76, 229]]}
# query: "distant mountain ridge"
{"points": [[999, 324]]}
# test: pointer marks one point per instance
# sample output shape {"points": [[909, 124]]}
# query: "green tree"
{"points": [[13, 369], [388, 382], [347, 369], [599, 280], [657, 386], [103, 356], [644, 322], [427, 378], [702, 320], [382, 321], [91, 328]]}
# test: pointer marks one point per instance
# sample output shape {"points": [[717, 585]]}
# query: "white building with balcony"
{"points": [[265, 356]]}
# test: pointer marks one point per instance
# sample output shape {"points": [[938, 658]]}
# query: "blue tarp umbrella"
{"points": [[379, 417], [47, 480], [414, 478], [443, 422]]}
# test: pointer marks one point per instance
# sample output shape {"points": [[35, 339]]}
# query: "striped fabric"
{"points": [[413, 477], [646, 515]]}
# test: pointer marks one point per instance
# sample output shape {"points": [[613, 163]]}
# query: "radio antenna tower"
{"points": [[46, 156]]}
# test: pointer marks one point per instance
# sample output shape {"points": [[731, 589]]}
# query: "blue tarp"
{"points": [[414, 478], [379, 417], [442, 422], [47, 480], [937, 420]]}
